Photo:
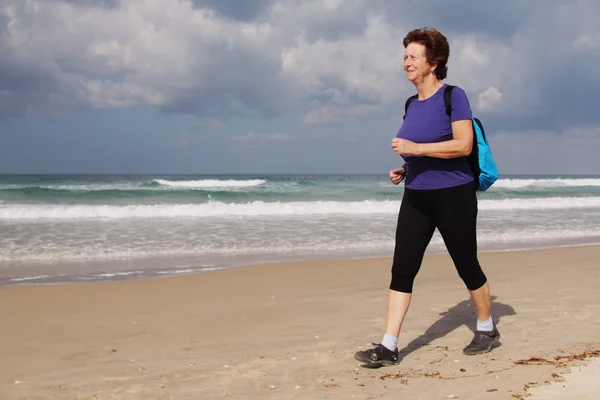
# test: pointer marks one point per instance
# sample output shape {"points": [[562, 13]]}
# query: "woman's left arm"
{"points": [[460, 145]]}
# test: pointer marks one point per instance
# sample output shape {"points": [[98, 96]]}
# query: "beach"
{"points": [[290, 330]]}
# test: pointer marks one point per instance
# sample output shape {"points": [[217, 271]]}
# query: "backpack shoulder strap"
{"points": [[448, 99], [408, 101], [480, 125]]}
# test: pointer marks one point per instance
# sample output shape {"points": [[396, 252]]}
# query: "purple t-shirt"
{"points": [[427, 122]]}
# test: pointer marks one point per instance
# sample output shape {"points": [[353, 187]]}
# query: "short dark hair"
{"points": [[437, 49]]}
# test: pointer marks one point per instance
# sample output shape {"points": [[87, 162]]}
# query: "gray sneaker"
{"points": [[483, 342], [378, 356]]}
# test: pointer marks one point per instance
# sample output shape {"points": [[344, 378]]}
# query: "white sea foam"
{"points": [[259, 208], [545, 183], [86, 187], [30, 278], [116, 274], [539, 203], [188, 270], [503, 183], [128, 186], [211, 183], [511, 238], [167, 272]]}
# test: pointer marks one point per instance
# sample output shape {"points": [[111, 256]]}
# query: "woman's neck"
{"points": [[428, 87]]}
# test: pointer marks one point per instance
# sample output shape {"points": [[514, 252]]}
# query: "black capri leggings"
{"points": [[453, 211]]}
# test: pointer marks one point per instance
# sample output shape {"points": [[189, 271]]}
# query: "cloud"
{"points": [[489, 98], [164, 54], [251, 137], [329, 60], [569, 151], [356, 77], [236, 9], [203, 123], [111, 4], [459, 17]]}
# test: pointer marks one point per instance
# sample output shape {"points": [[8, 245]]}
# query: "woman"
{"points": [[440, 192]]}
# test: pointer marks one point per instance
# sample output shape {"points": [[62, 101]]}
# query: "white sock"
{"points": [[486, 326], [390, 341]]}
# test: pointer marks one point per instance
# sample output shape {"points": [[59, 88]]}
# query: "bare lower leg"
{"points": [[483, 302], [398, 304]]}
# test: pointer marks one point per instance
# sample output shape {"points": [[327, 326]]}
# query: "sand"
{"points": [[583, 383], [289, 331]]}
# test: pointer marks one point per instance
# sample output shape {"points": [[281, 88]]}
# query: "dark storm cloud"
{"points": [[29, 88], [97, 3], [4, 20], [232, 95], [552, 72], [541, 56], [237, 9], [500, 19]]}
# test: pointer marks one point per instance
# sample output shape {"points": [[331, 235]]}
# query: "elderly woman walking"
{"points": [[440, 192]]}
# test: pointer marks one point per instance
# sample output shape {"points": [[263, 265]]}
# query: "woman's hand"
{"points": [[404, 147], [397, 175]]}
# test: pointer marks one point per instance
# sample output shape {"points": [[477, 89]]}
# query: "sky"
{"points": [[285, 86]]}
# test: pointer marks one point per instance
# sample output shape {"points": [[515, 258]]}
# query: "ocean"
{"points": [[82, 228]]}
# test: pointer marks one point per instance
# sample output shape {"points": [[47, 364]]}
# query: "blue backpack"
{"points": [[481, 160]]}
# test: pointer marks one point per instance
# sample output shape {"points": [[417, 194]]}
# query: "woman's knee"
{"points": [[403, 278], [474, 278]]}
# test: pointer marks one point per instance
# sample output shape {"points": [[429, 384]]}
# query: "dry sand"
{"points": [[289, 331], [583, 383]]}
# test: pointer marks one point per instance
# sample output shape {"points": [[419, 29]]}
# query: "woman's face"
{"points": [[416, 66]]}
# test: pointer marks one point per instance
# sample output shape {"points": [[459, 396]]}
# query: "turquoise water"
{"points": [[76, 225], [135, 189]]}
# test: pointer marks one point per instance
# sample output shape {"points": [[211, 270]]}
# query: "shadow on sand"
{"points": [[463, 313]]}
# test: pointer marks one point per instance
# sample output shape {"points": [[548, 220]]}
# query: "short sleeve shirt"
{"points": [[427, 122]]}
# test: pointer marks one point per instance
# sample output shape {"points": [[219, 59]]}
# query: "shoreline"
{"points": [[295, 327], [126, 270]]}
